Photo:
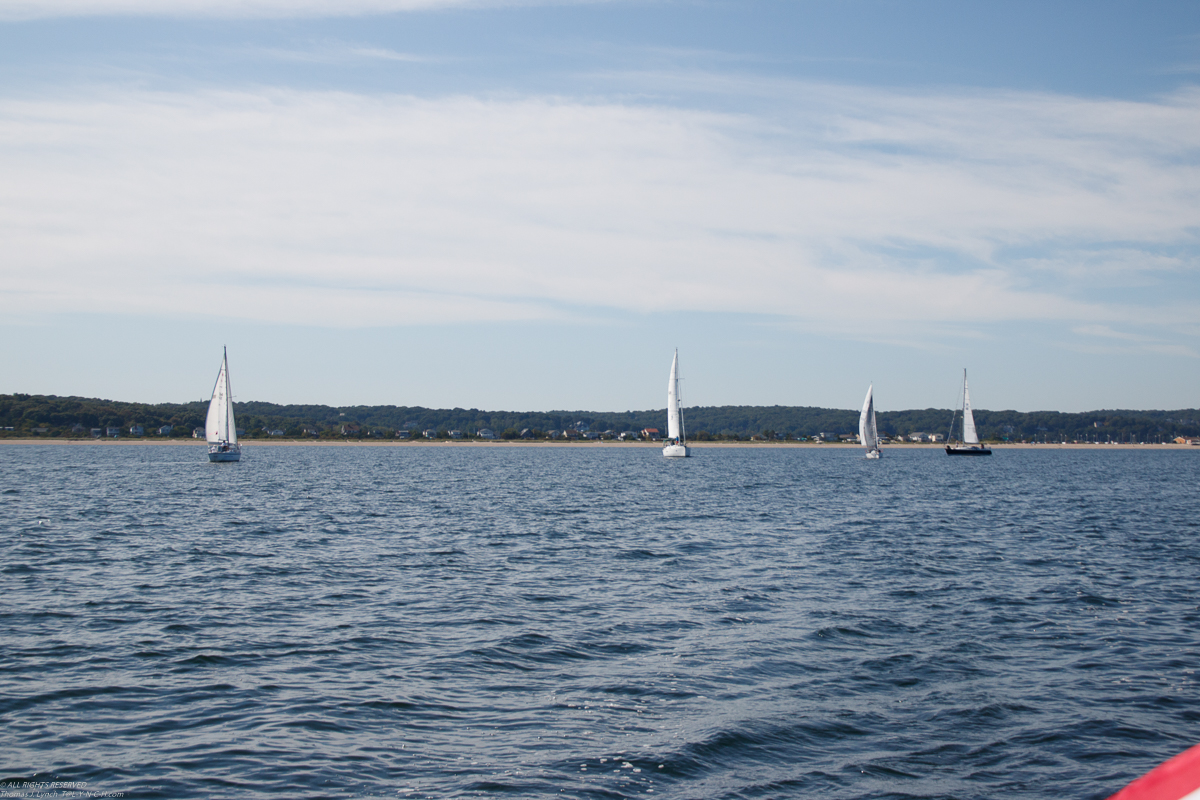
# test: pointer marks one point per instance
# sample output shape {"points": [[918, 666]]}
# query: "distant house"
{"points": [[628, 436], [275, 433], [918, 437], [313, 432], [582, 427], [486, 433], [404, 434], [136, 430], [591, 435], [526, 433], [41, 430], [97, 433], [651, 434], [1184, 440], [198, 433], [554, 434], [165, 430], [937, 437], [113, 432], [456, 434], [429, 434]]}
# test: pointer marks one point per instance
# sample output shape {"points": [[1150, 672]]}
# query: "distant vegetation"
{"points": [[23, 415]]}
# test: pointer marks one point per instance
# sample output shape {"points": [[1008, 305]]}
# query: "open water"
{"points": [[595, 622]]}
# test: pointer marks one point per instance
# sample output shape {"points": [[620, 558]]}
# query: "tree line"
{"points": [[23, 415]]}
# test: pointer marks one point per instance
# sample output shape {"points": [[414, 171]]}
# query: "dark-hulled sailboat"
{"points": [[969, 446]]}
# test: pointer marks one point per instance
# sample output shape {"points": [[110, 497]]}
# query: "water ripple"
{"points": [[596, 622]]}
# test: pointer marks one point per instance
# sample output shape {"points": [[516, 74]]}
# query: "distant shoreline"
{"points": [[252, 443]]}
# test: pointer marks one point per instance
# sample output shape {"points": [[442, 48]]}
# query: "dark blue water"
{"points": [[596, 622]]}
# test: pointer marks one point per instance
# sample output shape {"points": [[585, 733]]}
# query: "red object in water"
{"points": [[1171, 780]]}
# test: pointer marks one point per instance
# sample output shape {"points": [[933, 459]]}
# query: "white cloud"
{"points": [[862, 209]]}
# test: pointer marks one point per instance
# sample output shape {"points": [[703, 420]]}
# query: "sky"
{"points": [[530, 205]]}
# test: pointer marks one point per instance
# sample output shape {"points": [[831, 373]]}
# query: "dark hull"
{"points": [[967, 451]]}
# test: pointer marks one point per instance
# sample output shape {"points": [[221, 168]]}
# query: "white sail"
{"points": [[868, 433], [220, 427], [969, 434], [674, 426]]}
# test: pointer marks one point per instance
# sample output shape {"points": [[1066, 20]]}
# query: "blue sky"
{"points": [[530, 205]]}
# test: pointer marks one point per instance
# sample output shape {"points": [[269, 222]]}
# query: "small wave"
{"points": [[642, 555], [841, 632], [61, 696], [320, 725]]}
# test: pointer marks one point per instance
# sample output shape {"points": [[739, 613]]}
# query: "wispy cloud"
{"points": [[333, 53], [1131, 342], [859, 209], [234, 9]]}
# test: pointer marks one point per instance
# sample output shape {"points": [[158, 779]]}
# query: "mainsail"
{"points": [[868, 433], [674, 423], [969, 434]]}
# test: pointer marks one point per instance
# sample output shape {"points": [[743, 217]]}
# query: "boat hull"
{"points": [[872, 454], [676, 451], [217, 453], [967, 451]]}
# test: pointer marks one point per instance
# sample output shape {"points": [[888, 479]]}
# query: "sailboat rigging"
{"points": [[970, 445], [676, 445], [220, 430]]}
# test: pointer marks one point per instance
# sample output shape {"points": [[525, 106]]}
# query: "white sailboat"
{"points": [[868, 433], [970, 445], [220, 430], [676, 445]]}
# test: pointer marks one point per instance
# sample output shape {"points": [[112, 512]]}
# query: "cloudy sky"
{"points": [[529, 205]]}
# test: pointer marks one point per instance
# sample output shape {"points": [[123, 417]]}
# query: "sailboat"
{"points": [[676, 445], [970, 439], [220, 429], [868, 433]]}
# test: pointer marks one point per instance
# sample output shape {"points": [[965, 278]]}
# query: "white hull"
{"points": [[230, 453], [872, 454], [677, 451]]}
